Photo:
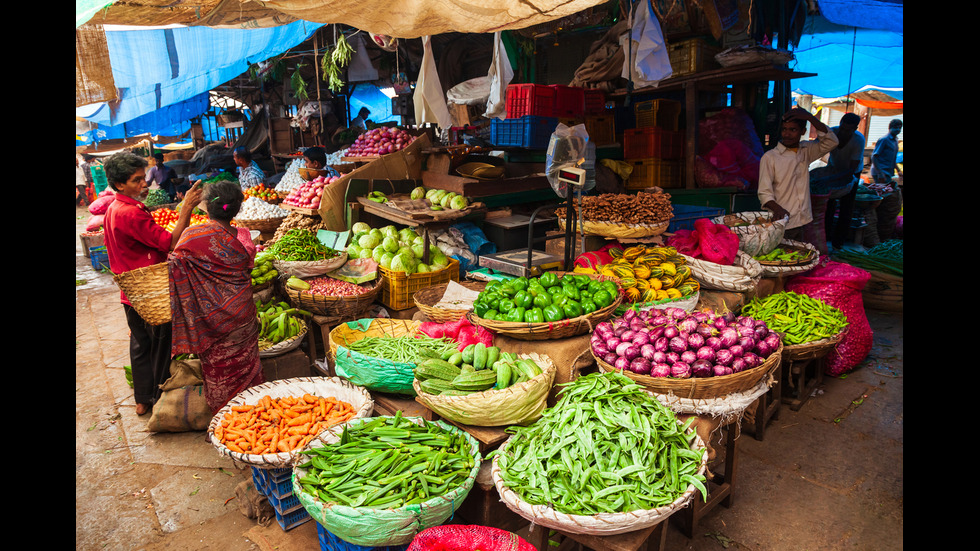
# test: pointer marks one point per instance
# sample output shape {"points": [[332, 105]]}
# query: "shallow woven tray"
{"points": [[282, 347], [624, 231], [266, 225], [703, 387], [335, 387], [345, 307], [551, 330], [791, 247], [427, 298], [375, 327], [148, 290], [812, 350]]}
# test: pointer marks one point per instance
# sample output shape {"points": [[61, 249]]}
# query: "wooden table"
{"points": [[720, 487]]}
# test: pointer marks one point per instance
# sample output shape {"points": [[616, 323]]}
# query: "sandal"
{"points": [[143, 409]]}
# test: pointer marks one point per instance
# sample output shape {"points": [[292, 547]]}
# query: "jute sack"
{"points": [[182, 406]]}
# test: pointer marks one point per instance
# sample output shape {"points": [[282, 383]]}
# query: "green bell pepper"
{"points": [[602, 299], [611, 287], [523, 299], [548, 279], [505, 306], [571, 291], [534, 315], [588, 306], [572, 309], [553, 313], [480, 308], [490, 315], [519, 284], [594, 286], [508, 289], [515, 314], [542, 300]]}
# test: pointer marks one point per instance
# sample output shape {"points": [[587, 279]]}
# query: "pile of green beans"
{"points": [[404, 349], [301, 245], [387, 463], [607, 446], [887, 256], [800, 319]]}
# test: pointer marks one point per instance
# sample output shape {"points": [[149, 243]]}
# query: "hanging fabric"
{"points": [[500, 75], [360, 68], [648, 61], [430, 100]]}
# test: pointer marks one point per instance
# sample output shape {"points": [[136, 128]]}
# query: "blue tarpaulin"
{"points": [[155, 69]]}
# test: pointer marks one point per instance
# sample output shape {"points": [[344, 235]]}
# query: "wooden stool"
{"points": [[720, 487], [766, 409], [802, 376], [653, 538]]}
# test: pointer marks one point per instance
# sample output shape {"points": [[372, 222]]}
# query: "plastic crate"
{"points": [[398, 288], [692, 56], [292, 518], [569, 101], [285, 503], [595, 101], [602, 130], [99, 257], [529, 99], [529, 131], [653, 143], [685, 216], [662, 113], [655, 172], [330, 542]]}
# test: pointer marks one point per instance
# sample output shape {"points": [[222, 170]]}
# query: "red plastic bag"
{"points": [[708, 241], [840, 286], [94, 222], [467, 537]]}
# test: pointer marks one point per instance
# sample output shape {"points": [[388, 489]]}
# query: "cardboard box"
{"points": [[557, 246]]}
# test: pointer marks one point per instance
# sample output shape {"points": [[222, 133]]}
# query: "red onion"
{"points": [[621, 363], [736, 350], [724, 357], [662, 344], [747, 343], [660, 370], [599, 349], [640, 365], [713, 342], [728, 337], [761, 331], [610, 358], [673, 357], [671, 331], [763, 349], [706, 353], [701, 368], [752, 360], [659, 357], [641, 338], [680, 370], [720, 370], [689, 356]]}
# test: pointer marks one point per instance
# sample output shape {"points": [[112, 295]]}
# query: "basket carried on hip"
{"points": [[426, 300], [148, 290], [703, 387], [342, 306]]}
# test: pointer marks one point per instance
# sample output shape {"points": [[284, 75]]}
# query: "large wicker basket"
{"points": [[703, 387], [551, 330], [620, 231], [265, 225], [427, 298], [148, 290], [884, 291], [351, 307], [812, 350]]}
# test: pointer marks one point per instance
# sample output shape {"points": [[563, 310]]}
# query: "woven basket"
{"points": [[741, 276], [551, 330], [755, 239], [288, 345], [312, 268], [703, 387], [602, 524], [812, 350], [619, 231], [334, 387], [884, 292], [346, 307], [784, 268], [148, 290], [265, 225], [427, 298]]}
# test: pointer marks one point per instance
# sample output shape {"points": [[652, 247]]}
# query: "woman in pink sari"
{"points": [[214, 314]]}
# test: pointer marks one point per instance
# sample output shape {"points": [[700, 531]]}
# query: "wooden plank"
{"points": [[471, 187]]}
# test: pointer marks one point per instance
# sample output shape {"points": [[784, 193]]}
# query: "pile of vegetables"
{"points": [[440, 199], [887, 256], [263, 270], [325, 286], [461, 331], [396, 250], [301, 245], [260, 191], [167, 218], [278, 322], [280, 425], [799, 318], [547, 298], [624, 208], [156, 197], [379, 141], [650, 274], [678, 344], [291, 179], [476, 368], [307, 195], [387, 463], [786, 255], [607, 446], [404, 349], [254, 208]]}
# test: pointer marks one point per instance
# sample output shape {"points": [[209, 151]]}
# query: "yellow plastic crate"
{"points": [[692, 56], [399, 288], [656, 172], [662, 113]]}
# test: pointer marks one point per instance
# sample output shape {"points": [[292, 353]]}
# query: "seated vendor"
{"points": [[316, 158]]}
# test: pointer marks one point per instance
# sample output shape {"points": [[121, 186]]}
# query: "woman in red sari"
{"points": [[214, 314]]}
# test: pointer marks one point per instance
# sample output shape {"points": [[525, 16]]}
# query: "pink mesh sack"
{"points": [[467, 537]]}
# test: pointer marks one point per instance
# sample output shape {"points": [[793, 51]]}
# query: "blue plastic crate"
{"points": [[529, 132], [685, 215], [100, 258], [330, 542], [292, 518], [284, 503], [259, 481]]}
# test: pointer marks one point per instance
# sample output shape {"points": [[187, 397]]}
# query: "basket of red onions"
{"points": [[689, 354], [328, 296]]}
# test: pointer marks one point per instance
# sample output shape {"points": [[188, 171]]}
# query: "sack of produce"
{"points": [[101, 205], [418, 474], [182, 406], [467, 537], [707, 241], [548, 471], [840, 285], [381, 354], [94, 222], [282, 417], [492, 389], [757, 232]]}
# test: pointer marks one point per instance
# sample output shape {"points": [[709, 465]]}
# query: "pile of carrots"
{"points": [[280, 425]]}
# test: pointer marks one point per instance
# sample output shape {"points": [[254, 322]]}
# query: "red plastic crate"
{"points": [[569, 101], [529, 99], [595, 101], [653, 143]]}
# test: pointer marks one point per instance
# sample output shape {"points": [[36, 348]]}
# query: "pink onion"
{"points": [[701, 368], [721, 370], [680, 370], [640, 365], [660, 370], [689, 356]]}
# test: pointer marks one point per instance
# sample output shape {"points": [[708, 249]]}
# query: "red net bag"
{"points": [[468, 537], [840, 286]]}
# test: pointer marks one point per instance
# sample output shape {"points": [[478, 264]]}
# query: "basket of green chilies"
{"points": [[809, 327], [379, 481], [607, 459]]}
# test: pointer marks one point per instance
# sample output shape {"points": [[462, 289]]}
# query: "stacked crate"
{"points": [[655, 148], [534, 110], [277, 486]]}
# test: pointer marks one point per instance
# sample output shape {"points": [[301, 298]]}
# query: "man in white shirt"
{"points": [[784, 177]]}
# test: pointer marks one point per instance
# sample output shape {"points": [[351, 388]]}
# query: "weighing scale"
{"points": [[531, 262]]}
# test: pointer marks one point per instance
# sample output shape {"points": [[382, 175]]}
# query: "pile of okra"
{"points": [[387, 463]]}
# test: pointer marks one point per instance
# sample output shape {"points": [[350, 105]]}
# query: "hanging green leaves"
{"points": [[333, 61], [342, 51], [298, 84]]}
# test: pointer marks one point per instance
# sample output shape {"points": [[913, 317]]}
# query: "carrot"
{"points": [[300, 420], [280, 425]]}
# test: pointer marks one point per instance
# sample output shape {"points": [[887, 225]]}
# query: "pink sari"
{"points": [[214, 314]]}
